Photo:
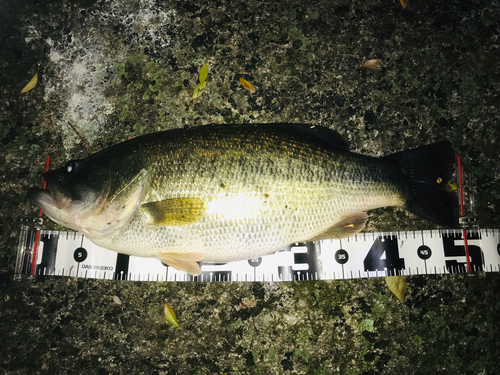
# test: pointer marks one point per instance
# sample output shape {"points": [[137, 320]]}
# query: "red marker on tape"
{"points": [[37, 237], [464, 232]]}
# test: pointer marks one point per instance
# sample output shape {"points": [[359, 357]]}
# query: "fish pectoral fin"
{"points": [[185, 262], [348, 226], [176, 211]]}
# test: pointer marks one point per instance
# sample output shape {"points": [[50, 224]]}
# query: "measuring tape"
{"points": [[70, 254]]}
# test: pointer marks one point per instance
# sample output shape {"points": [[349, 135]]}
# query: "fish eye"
{"points": [[70, 166]]}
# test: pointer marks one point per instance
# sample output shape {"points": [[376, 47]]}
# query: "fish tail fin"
{"points": [[428, 169]]}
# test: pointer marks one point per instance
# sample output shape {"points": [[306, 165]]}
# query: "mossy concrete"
{"points": [[446, 325], [109, 71]]}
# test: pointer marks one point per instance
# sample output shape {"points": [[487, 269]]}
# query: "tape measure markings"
{"points": [[364, 255]]}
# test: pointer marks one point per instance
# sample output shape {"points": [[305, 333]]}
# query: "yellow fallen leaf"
{"points": [[397, 285], [371, 63], [199, 90], [203, 73], [31, 84], [247, 85], [170, 315], [450, 187], [403, 3]]}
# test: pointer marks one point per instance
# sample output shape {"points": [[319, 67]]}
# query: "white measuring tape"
{"points": [[70, 254]]}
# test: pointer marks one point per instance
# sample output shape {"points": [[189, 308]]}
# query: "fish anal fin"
{"points": [[176, 211], [348, 226], [185, 262]]}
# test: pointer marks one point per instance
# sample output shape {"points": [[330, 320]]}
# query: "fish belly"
{"points": [[244, 221]]}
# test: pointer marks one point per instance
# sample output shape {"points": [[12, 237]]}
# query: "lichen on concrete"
{"points": [[112, 70], [342, 327]]}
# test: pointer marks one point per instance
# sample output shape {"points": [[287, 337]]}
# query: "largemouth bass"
{"points": [[220, 193]]}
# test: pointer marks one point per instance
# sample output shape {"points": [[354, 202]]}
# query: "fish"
{"points": [[226, 192]]}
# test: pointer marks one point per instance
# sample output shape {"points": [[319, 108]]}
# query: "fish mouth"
{"points": [[41, 198], [56, 195]]}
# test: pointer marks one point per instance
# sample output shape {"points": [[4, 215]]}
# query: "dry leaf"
{"points": [[31, 84], [247, 85], [203, 73], [116, 300], [403, 3], [371, 63], [170, 315], [397, 285], [246, 303]]}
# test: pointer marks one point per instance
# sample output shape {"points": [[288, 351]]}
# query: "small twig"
{"points": [[82, 138]]}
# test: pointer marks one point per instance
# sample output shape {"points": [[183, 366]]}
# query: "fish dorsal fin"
{"points": [[185, 262], [318, 134], [176, 211], [348, 226]]}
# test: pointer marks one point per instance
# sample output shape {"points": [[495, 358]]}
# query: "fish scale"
{"points": [[264, 171], [232, 192]]}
